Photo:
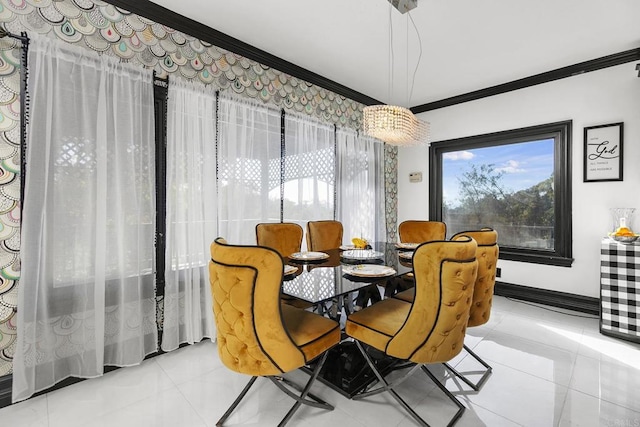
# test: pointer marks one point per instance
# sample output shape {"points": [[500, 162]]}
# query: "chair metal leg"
{"points": [[409, 409], [316, 401], [466, 380], [236, 402], [451, 397], [386, 386], [302, 399]]}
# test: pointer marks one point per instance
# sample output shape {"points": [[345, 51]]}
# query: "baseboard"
{"points": [[6, 383], [553, 298]]}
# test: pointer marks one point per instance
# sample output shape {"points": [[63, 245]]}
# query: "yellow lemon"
{"points": [[359, 242], [624, 231]]}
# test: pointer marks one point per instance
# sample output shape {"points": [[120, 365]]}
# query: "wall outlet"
{"points": [[415, 177], [498, 272]]}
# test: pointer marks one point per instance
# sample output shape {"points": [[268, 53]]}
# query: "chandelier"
{"points": [[393, 124]]}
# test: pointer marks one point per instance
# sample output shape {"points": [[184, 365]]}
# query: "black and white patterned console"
{"points": [[620, 289]]}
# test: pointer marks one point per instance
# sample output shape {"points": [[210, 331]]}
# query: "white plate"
{"points": [[406, 255], [347, 247], [288, 269], [407, 245], [368, 270], [308, 256], [362, 254]]}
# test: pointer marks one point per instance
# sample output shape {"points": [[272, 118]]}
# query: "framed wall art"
{"points": [[603, 154]]}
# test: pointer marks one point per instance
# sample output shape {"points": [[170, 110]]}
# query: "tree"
{"points": [[534, 206], [524, 215], [482, 191]]}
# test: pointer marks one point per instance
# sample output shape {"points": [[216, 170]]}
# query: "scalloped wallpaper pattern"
{"points": [[112, 31]]}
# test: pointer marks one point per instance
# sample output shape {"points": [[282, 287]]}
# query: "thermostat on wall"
{"points": [[415, 177]]}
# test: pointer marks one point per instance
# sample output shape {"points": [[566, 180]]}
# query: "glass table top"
{"points": [[322, 280]]}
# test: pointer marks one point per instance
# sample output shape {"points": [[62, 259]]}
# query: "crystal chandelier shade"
{"points": [[390, 123], [394, 125]]}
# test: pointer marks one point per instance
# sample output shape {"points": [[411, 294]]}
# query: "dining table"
{"points": [[330, 281], [319, 277]]}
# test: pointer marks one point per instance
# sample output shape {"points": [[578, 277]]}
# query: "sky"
{"points": [[525, 164]]}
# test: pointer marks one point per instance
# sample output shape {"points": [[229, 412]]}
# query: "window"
{"points": [[249, 167], [308, 169], [517, 182]]}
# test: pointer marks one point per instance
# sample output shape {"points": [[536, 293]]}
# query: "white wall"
{"points": [[601, 97]]}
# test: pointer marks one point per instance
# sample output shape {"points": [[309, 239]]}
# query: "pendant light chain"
{"points": [[392, 124]]}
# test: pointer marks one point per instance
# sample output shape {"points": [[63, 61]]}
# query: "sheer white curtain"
{"points": [[360, 203], [309, 170], [86, 296], [248, 167], [191, 213]]}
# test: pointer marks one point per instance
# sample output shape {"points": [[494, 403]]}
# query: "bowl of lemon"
{"points": [[360, 243], [624, 235]]}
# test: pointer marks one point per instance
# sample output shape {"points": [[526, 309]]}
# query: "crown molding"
{"points": [[181, 23], [196, 29], [546, 77]]}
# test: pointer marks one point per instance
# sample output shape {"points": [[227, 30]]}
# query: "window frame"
{"points": [[560, 132]]}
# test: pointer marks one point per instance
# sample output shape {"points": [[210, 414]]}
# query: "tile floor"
{"points": [[550, 369]]}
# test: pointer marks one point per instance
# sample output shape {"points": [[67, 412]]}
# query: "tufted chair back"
{"points": [[414, 231], [324, 235], [284, 237], [434, 330], [430, 328], [487, 256], [245, 284]]}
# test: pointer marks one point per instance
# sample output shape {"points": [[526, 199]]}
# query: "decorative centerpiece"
{"points": [[622, 225], [360, 243]]}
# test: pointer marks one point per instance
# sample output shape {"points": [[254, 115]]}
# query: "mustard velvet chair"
{"points": [[429, 330], [415, 231], [257, 335], [324, 235], [487, 256], [284, 237]]}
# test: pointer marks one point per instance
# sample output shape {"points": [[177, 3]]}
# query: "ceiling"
{"points": [[467, 45]]}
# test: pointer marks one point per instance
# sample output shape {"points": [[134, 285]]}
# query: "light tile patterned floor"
{"points": [[550, 369]]}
